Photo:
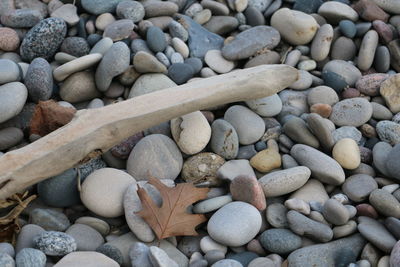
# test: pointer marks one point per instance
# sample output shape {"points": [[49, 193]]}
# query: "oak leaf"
{"points": [[171, 219], [49, 116]]}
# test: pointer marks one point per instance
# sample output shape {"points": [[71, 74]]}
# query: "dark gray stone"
{"points": [[180, 72], [75, 46], [348, 28], [393, 225], [200, 39], [50, 220], [30, 257], [44, 39], [280, 241], [307, 6], [21, 18], [244, 257], [247, 43], [392, 162], [156, 39], [358, 187], [195, 63], [340, 252], [54, 243], [111, 252], [376, 233], [307, 227], [39, 80]]}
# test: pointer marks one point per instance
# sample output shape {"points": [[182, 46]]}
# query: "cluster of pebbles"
{"points": [[306, 177]]}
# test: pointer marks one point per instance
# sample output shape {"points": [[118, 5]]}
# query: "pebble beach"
{"points": [[309, 176]]}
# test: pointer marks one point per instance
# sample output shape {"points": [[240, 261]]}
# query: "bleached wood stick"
{"points": [[98, 130]]}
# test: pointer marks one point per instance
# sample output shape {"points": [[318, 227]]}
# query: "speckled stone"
{"points": [[281, 241], [30, 257], [44, 39], [55, 243], [39, 80]]}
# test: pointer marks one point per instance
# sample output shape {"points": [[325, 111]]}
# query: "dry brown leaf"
{"points": [[171, 219], [9, 225], [49, 116]]}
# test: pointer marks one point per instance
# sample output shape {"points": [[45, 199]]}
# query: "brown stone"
{"points": [[350, 93], [370, 84], [384, 31], [366, 210], [368, 131], [324, 110], [9, 40], [370, 11], [391, 93], [247, 189]]}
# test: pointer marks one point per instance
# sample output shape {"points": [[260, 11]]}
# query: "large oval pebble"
{"points": [[12, 99], [351, 112]]}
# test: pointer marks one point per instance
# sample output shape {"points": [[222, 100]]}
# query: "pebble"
{"points": [[359, 186], [298, 131], [234, 168], [9, 39], [178, 32], [78, 87], [76, 65], [147, 63], [99, 225], [322, 167], [285, 181], [86, 237], [202, 168], [211, 204], [10, 137], [132, 10], [337, 11], [281, 241], [10, 71], [304, 226], [244, 223], [98, 7], [21, 18], [248, 42], [75, 46], [348, 28], [159, 258], [87, 259], [248, 189], [200, 39], [217, 62], [156, 39], [390, 94], [98, 185], [344, 70], [296, 27], [39, 80], [227, 263], [367, 50], [26, 236], [224, 139], [54, 243], [180, 73], [191, 132], [326, 254], [390, 162], [376, 233], [385, 203], [7, 248], [343, 49], [50, 220], [164, 161], [115, 61], [43, 39], [267, 106], [248, 125], [335, 213], [321, 44], [148, 83], [158, 9], [6, 260], [351, 112], [322, 95], [139, 255], [370, 84], [347, 153], [298, 205], [388, 131], [29, 257]]}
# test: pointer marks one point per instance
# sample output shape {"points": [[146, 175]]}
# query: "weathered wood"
{"points": [[98, 130]]}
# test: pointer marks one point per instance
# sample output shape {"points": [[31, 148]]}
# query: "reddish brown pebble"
{"points": [[370, 84], [247, 189], [366, 155], [384, 31], [209, 116], [370, 11], [9, 40], [368, 131], [324, 110], [123, 149], [350, 93], [366, 210]]}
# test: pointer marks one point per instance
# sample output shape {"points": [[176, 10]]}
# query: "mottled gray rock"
{"points": [[6, 260], [30, 257], [340, 252], [44, 39], [389, 131], [351, 112], [385, 203], [247, 43], [281, 241], [55, 243], [132, 10], [39, 80], [392, 165], [224, 139], [304, 226], [322, 167], [7, 248]]}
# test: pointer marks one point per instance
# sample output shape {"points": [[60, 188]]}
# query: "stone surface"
{"points": [[388, 90], [39, 80], [86, 258], [44, 39], [156, 154], [385, 203], [29, 257], [347, 153], [26, 236], [6, 260], [247, 43], [376, 233], [267, 106], [233, 168], [148, 83], [351, 112], [86, 237], [248, 189], [9, 39], [54, 243], [78, 87], [104, 196], [322, 167], [224, 139], [304, 226], [335, 212], [244, 223], [202, 168], [50, 220], [280, 183], [281, 241], [98, 7], [358, 187], [10, 137], [389, 131]]}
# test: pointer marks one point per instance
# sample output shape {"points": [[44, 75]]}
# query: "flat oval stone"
{"points": [[21, 18], [280, 183], [224, 139], [211, 204], [217, 62], [367, 50], [191, 132], [30, 257], [104, 196], [358, 187], [13, 96], [76, 65], [79, 87], [304, 226], [156, 154], [335, 212], [50, 220], [281, 241], [267, 106], [276, 215], [9, 71], [248, 189], [385, 203], [298, 131], [347, 153], [156, 39], [376, 233], [10, 137], [247, 43], [343, 69], [321, 44], [132, 10], [389, 132], [26, 236], [44, 39], [98, 7], [336, 11], [235, 224], [248, 125], [9, 39], [39, 80], [87, 259], [148, 83], [54, 243], [351, 112], [115, 62], [221, 25], [322, 166], [296, 27]]}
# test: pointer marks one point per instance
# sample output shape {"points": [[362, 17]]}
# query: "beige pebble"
{"points": [[266, 160], [180, 47], [217, 62], [104, 20], [347, 153]]}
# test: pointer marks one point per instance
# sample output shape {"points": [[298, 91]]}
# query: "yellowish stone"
{"points": [[266, 160]]}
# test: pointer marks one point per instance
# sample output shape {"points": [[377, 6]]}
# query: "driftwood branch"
{"points": [[100, 129]]}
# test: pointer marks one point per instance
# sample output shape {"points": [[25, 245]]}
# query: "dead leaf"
{"points": [[171, 219], [49, 116], [9, 224]]}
